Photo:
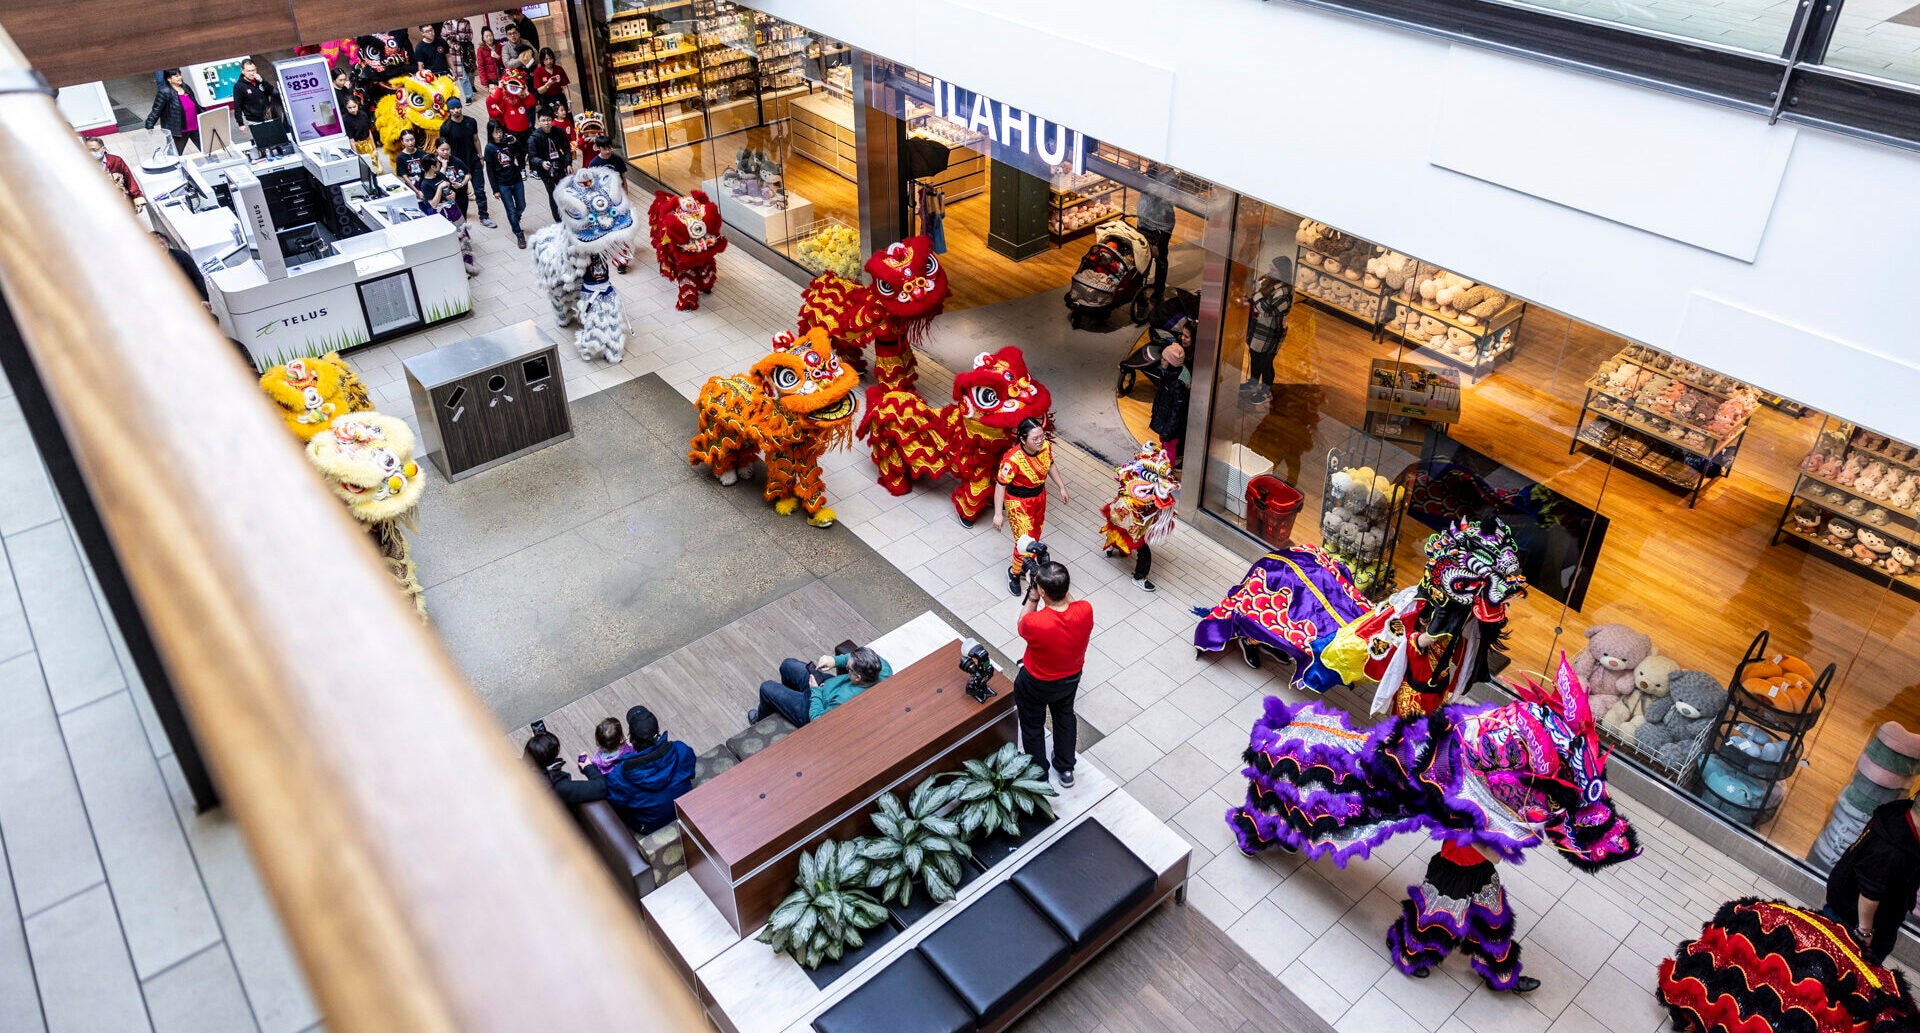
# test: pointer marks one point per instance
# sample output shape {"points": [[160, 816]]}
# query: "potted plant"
{"points": [[823, 918], [916, 844], [997, 795]]}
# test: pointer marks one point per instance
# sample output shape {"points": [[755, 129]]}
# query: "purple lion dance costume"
{"points": [[1488, 780]]}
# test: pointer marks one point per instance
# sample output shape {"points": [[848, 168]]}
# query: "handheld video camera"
{"points": [[1033, 556], [979, 667]]}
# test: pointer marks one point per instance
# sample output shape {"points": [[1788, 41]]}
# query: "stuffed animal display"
{"points": [[1353, 525], [1871, 468], [1649, 684], [1606, 665], [1430, 306], [1782, 682], [1675, 723]]}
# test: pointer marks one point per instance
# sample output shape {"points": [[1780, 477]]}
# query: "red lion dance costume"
{"points": [[687, 240], [1762, 966], [909, 290], [967, 439]]}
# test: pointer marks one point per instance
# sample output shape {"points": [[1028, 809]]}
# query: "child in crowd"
{"points": [[611, 736]]}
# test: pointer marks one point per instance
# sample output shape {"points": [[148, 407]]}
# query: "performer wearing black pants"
{"points": [[1056, 627]]}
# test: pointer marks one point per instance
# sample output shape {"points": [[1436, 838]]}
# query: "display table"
{"points": [[766, 223]]}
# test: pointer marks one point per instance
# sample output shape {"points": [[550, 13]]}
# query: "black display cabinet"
{"points": [[1742, 782]]}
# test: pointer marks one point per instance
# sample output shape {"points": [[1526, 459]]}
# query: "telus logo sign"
{"points": [[266, 329]]}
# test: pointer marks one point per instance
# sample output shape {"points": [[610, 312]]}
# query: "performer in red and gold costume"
{"points": [[1020, 491], [686, 237]]}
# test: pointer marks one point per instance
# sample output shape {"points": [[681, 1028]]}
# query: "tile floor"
{"points": [[130, 913]]}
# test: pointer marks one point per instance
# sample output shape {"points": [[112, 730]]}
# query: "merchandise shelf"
{"points": [[1836, 501], [1493, 338], [1665, 467]]}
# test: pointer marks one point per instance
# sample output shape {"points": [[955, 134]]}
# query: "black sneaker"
{"points": [[520, 239], [1524, 985], [1066, 779], [1421, 973], [964, 522], [753, 716], [1250, 653], [1013, 583]]}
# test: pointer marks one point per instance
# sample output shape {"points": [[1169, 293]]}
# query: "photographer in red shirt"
{"points": [[1056, 627]]}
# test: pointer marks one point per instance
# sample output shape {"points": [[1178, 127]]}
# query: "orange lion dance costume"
{"points": [[686, 237], [967, 439], [791, 407], [909, 289]]}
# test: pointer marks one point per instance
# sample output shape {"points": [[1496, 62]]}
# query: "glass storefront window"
{"points": [[1878, 39], [1750, 25], [1660, 506]]}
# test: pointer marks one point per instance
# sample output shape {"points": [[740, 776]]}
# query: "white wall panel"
{"points": [[1336, 118]]}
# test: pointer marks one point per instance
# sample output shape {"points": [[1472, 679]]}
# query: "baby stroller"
{"points": [[1163, 322], [1111, 274]]}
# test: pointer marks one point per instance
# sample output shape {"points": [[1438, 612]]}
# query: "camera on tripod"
{"points": [[1033, 556], [979, 667]]}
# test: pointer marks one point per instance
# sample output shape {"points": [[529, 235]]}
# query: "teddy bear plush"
{"points": [[1605, 666], [1899, 561], [1904, 496], [1870, 546], [1840, 535], [1870, 477], [1851, 471], [1693, 702], [1478, 302], [1649, 684]]}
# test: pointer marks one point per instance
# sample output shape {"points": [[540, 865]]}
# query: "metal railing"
{"points": [[427, 879]]}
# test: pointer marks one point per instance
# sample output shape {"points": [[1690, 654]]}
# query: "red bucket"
{"points": [[1272, 505]]}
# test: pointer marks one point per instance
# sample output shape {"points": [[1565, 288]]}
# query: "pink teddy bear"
{"points": [[1869, 477], [1855, 463], [1831, 468], [1905, 495]]}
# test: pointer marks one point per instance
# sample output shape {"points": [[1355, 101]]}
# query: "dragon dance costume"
{"points": [[1024, 475], [1503, 778], [1763, 966]]}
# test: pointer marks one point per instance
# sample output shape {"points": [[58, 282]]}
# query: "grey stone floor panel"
{"points": [[86, 978], [200, 995], [19, 997], [51, 846], [156, 886], [259, 948], [26, 497], [74, 649], [15, 637]]}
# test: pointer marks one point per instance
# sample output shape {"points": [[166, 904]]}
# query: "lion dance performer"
{"points": [[510, 103], [790, 408], [312, 392], [1421, 647], [1487, 780], [966, 439], [417, 102], [1140, 515], [909, 289], [368, 458], [572, 258], [1020, 492], [687, 239], [1763, 966]]}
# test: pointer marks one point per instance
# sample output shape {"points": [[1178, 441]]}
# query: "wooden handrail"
{"points": [[428, 880]]}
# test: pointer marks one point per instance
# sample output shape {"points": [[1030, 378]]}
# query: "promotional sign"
{"points": [[1018, 138], [212, 83], [306, 87]]}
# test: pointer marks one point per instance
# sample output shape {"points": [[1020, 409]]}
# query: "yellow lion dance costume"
{"points": [[418, 102], [791, 407], [312, 391], [367, 459]]}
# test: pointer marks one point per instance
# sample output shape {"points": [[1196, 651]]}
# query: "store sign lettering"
{"points": [[267, 328], [1010, 127]]}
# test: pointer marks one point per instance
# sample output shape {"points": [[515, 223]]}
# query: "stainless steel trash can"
{"points": [[489, 399]]}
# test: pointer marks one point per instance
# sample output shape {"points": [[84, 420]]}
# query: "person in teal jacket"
{"points": [[840, 678]]}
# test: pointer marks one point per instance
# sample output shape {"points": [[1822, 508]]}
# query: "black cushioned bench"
{"points": [[1003, 944]]}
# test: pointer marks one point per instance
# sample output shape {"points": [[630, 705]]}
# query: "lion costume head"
{"points": [[368, 459], [908, 278], [1148, 490], [312, 392], [594, 209], [378, 54], [998, 392], [689, 227], [805, 379], [422, 99]]}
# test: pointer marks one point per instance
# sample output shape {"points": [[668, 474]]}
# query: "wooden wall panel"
{"points": [[77, 41], [317, 20]]}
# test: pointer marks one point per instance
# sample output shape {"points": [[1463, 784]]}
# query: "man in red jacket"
{"points": [[511, 105]]}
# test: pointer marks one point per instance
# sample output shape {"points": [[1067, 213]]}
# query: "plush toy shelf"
{"points": [[1827, 503]]}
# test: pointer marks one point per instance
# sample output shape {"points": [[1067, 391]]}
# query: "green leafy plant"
{"points": [[916, 844], [823, 918], [993, 793]]}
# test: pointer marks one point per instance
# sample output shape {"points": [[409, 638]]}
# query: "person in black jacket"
{"points": [[1874, 884], [1173, 385], [506, 167], [462, 133], [174, 111], [543, 752], [254, 99], [549, 155]]}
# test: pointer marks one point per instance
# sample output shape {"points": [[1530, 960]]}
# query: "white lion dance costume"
{"points": [[574, 259]]}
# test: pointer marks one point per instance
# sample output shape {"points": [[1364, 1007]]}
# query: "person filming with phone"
{"points": [[543, 752], [1056, 628]]}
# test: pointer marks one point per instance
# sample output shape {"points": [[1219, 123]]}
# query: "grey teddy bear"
{"points": [[1693, 702]]}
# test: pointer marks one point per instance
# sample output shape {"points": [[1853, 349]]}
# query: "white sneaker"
{"points": [[1143, 584]]}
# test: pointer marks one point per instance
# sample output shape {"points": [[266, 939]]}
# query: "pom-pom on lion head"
{"points": [[368, 459], [311, 392], [908, 278], [998, 392], [807, 380], [594, 209], [422, 99]]}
